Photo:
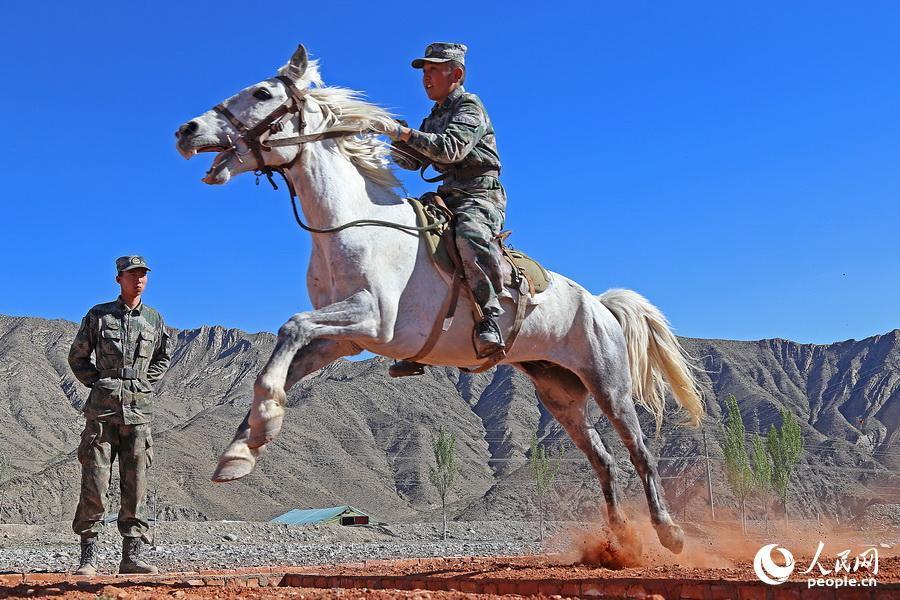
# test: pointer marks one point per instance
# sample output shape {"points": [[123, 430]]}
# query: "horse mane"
{"points": [[345, 110]]}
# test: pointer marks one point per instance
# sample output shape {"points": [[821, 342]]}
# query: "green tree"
{"points": [[737, 463], [444, 473], [762, 473], [785, 447], [544, 468]]}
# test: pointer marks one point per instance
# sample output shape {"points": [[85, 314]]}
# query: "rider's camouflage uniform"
{"points": [[458, 138], [118, 410]]}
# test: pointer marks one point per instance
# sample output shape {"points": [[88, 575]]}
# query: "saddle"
{"points": [[521, 273], [441, 244]]}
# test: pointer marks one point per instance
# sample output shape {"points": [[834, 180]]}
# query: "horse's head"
{"points": [[235, 128]]}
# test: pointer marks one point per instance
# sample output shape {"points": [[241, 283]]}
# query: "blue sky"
{"points": [[735, 163]]}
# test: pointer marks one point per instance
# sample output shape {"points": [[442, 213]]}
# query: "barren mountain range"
{"points": [[353, 435]]}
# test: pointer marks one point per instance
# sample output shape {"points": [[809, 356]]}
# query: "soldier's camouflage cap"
{"points": [[127, 263], [442, 52]]}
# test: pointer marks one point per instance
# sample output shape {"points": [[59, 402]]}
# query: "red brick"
{"points": [[783, 593], [722, 592], [550, 587], [12, 580], [435, 584], [637, 591], [452, 584], [52, 578], [402, 583], [752, 592], [694, 591], [373, 583], [388, 583], [570, 588], [527, 588], [506, 587], [856, 594], [817, 593], [420, 584]]}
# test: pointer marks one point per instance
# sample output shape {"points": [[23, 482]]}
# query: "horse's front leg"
{"points": [[352, 319], [239, 459], [301, 358]]}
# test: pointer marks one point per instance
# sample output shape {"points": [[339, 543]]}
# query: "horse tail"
{"points": [[655, 356]]}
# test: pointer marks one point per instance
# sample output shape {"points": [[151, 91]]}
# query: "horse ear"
{"points": [[297, 65]]}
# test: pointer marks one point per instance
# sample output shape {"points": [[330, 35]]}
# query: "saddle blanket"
{"points": [[437, 241]]}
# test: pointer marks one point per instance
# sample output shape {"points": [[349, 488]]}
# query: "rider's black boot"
{"points": [[488, 339]]}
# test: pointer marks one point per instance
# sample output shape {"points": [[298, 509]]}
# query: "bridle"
{"points": [[272, 124]]}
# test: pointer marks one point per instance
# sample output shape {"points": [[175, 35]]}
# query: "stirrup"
{"points": [[406, 368]]}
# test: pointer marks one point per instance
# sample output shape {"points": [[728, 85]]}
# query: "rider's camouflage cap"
{"points": [[126, 263], [442, 52]]}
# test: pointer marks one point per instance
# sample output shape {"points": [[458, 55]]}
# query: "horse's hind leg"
{"points": [[239, 458], [564, 395], [611, 389]]}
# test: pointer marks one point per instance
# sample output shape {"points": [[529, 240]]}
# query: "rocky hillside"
{"points": [[355, 436]]}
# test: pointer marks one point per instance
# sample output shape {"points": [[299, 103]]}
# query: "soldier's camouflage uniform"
{"points": [[457, 138], [119, 353]]}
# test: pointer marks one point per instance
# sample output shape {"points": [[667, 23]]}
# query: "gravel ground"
{"points": [[190, 546]]}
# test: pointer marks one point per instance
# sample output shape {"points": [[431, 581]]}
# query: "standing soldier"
{"points": [[457, 139], [120, 351]]}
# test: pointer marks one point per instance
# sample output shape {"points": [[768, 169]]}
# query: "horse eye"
{"points": [[262, 94]]}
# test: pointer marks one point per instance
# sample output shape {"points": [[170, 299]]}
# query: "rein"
{"points": [[251, 136]]}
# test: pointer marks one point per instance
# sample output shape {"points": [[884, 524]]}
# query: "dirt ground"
{"points": [[147, 592], [588, 566]]}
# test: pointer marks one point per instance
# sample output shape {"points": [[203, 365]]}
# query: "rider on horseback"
{"points": [[457, 139]]}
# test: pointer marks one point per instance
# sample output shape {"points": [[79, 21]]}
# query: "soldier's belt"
{"points": [[472, 172], [123, 373], [461, 174]]}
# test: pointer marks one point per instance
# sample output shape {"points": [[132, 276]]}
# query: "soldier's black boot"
{"points": [[131, 558], [488, 339], [405, 368], [88, 563]]}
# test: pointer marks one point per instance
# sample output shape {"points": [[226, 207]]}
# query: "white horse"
{"points": [[376, 288]]}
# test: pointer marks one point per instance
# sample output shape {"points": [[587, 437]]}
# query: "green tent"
{"points": [[344, 515]]}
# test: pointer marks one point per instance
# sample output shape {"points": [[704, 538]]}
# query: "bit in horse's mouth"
{"points": [[212, 148]]}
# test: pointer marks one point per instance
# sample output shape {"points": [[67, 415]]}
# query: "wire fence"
{"points": [[399, 463]]}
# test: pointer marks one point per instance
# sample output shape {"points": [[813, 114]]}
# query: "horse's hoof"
{"points": [[671, 536], [238, 460], [266, 418]]}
